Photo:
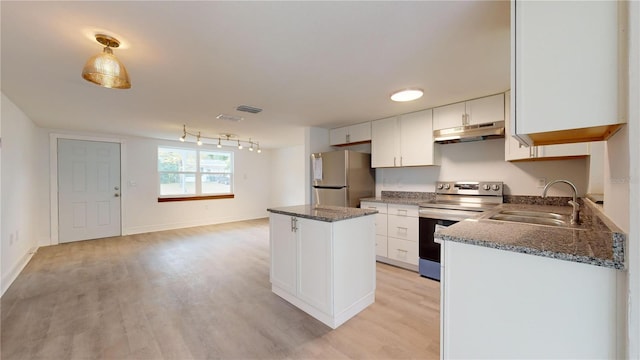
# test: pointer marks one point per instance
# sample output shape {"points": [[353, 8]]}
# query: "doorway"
{"points": [[89, 189]]}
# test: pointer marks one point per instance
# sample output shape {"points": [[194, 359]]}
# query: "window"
{"points": [[191, 174]]}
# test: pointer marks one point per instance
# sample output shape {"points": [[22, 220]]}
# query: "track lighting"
{"points": [[184, 133], [222, 140]]}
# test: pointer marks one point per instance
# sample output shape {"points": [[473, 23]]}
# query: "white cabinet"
{"points": [[405, 140], [568, 70], [515, 151], [477, 111], [396, 233], [381, 225], [498, 304], [402, 232], [326, 269], [358, 133]]}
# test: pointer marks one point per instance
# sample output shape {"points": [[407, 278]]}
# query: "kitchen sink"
{"points": [[535, 214], [530, 219]]}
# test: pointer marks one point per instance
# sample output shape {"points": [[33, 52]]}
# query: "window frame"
{"points": [[198, 174]]}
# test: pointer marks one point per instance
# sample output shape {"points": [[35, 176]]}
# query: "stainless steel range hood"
{"points": [[466, 133]]}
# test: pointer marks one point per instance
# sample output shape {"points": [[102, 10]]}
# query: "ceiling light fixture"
{"points": [[184, 133], [407, 95], [222, 140], [105, 69]]}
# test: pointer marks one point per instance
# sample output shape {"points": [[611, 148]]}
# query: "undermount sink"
{"points": [[536, 214], [537, 220]]}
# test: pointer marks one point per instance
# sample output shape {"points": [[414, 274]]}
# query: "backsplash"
{"points": [[413, 195]]}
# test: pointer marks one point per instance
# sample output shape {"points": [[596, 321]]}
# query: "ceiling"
{"points": [[321, 64]]}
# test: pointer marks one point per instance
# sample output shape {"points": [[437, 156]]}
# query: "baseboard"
{"points": [[182, 225], [10, 277]]}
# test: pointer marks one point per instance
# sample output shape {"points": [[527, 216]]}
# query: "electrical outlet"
{"points": [[542, 182]]}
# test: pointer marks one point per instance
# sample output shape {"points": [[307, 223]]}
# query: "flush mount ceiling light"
{"points": [[105, 69], [407, 95]]}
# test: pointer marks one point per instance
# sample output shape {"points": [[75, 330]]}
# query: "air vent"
{"points": [[249, 109], [229, 117]]}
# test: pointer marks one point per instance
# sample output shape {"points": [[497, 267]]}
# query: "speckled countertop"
{"points": [[402, 197], [323, 213], [595, 241]]}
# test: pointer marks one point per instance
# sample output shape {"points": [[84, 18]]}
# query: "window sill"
{"points": [[189, 198]]}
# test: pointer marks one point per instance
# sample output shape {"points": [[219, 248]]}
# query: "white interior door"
{"points": [[88, 190]]}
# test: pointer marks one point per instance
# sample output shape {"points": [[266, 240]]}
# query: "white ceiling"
{"points": [[321, 64]]}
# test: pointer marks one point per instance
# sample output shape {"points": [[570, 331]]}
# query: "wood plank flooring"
{"points": [[198, 293]]}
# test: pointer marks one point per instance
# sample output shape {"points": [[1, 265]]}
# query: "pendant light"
{"points": [[105, 69]]}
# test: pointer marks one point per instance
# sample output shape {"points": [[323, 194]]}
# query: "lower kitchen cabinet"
{"points": [[381, 226], [396, 234], [498, 304], [327, 269]]}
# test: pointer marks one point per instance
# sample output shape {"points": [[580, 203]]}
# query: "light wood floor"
{"points": [[198, 293]]}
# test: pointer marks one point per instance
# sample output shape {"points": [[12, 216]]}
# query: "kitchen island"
{"points": [[516, 290], [323, 260]]}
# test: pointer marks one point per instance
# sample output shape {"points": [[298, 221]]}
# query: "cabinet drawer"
{"points": [[403, 210], [403, 250], [381, 224], [381, 207], [403, 227], [381, 245]]}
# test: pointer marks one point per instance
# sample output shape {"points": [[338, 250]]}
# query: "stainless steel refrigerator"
{"points": [[341, 178]]}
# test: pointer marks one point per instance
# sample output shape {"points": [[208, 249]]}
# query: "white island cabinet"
{"points": [[323, 261], [498, 304]]}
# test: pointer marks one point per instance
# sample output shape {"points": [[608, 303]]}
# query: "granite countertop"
{"points": [[595, 241], [402, 197], [323, 213]]}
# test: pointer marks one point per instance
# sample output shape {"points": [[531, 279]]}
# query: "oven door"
{"points": [[428, 249]]}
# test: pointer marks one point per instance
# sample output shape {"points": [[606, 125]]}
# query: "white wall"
{"points": [[484, 161], [20, 199], [288, 182], [143, 213]]}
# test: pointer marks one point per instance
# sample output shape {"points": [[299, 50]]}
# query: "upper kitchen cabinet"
{"points": [[405, 140], [568, 66], [352, 134], [515, 151], [477, 111]]}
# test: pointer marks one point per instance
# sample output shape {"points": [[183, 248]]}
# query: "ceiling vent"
{"points": [[249, 109], [229, 117]]}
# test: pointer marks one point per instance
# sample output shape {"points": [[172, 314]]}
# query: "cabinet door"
{"points": [[402, 227], [486, 109], [381, 245], [403, 250], [513, 149], [359, 132], [567, 58], [384, 143], [338, 136], [445, 117], [314, 264], [416, 139], [283, 252]]}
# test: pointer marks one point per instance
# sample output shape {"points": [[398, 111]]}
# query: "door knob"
{"points": [[116, 195], [116, 188]]}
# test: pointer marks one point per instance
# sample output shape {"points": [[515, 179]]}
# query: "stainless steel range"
{"points": [[455, 201]]}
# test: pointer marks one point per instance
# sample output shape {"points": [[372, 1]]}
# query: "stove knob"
{"points": [[446, 186], [486, 187], [496, 187], [439, 186]]}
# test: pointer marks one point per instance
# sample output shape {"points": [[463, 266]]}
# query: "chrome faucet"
{"points": [[575, 214]]}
